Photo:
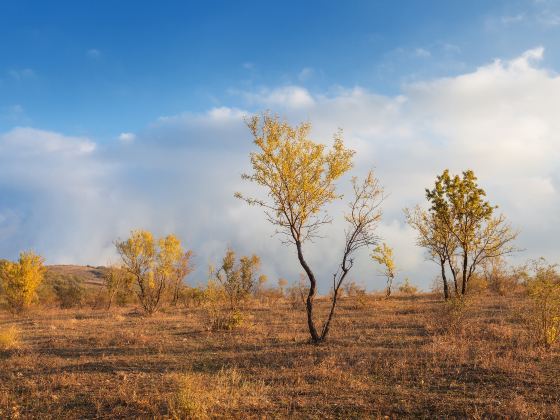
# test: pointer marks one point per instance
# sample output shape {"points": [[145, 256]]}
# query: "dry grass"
{"points": [[384, 358]]}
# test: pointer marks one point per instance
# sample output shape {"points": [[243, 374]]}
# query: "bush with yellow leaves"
{"points": [[9, 338], [544, 291], [21, 279], [204, 396]]}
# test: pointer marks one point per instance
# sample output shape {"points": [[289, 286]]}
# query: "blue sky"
{"points": [[118, 115], [98, 67]]}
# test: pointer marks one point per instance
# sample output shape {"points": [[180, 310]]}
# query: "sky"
{"points": [[123, 115]]}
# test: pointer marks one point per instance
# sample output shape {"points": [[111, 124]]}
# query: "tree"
{"points": [[20, 280], [153, 264], [180, 269], [441, 244], [383, 255], [237, 278], [299, 177], [459, 208]]}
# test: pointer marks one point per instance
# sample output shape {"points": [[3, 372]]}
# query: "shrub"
{"points": [[226, 320], [356, 292], [477, 283], [451, 315], [21, 279], [69, 291], [407, 288], [201, 397], [544, 291], [220, 316], [501, 279], [192, 296], [9, 338], [297, 294], [237, 278]]}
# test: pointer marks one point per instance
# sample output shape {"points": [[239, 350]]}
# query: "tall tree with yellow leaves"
{"points": [[299, 177]]}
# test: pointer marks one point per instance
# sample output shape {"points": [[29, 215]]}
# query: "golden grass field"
{"points": [[390, 358]]}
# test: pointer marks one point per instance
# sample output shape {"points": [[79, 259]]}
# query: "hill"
{"points": [[91, 276]]}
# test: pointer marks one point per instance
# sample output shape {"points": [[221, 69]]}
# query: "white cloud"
{"points": [[127, 137], [70, 200], [25, 141], [283, 97]]}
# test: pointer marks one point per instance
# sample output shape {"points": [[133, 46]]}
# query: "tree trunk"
{"points": [[336, 286], [388, 287], [444, 278], [326, 327], [465, 264], [176, 289], [454, 274], [310, 296]]}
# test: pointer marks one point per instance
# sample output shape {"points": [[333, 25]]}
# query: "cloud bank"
{"points": [[70, 198]]}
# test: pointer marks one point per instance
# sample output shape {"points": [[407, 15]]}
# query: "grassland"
{"points": [[396, 358]]}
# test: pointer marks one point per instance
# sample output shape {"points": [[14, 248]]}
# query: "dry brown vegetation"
{"points": [[392, 357], [91, 276]]}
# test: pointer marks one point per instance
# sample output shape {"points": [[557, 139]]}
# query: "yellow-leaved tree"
{"points": [[20, 280], [154, 264], [238, 278], [299, 177], [461, 212], [383, 255]]}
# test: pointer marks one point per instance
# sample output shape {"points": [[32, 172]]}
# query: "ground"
{"points": [[393, 358]]}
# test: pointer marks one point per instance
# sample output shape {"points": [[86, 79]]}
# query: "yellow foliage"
{"points": [[237, 278], [155, 265], [20, 280], [202, 397], [299, 177], [383, 255], [544, 291], [9, 338], [298, 173]]}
